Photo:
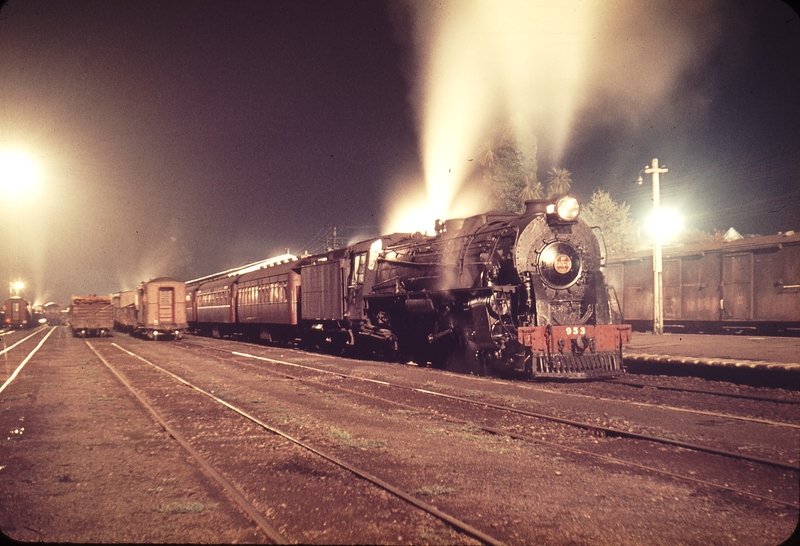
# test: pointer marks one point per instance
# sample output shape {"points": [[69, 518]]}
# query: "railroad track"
{"points": [[698, 412], [6, 349], [652, 385], [218, 475], [516, 478], [591, 427], [597, 429]]}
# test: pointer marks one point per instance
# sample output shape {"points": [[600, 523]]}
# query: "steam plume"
{"points": [[537, 65]]}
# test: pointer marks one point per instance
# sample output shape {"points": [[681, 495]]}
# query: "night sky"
{"points": [[184, 138]]}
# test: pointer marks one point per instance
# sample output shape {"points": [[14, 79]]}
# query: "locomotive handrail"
{"points": [[401, 262], [410, 242], [603, 248], [387, 282]]}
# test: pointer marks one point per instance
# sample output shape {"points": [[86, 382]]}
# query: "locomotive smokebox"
{"points": [[536, 206]]}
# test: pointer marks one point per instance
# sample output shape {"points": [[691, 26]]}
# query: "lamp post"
{"points": [[658, 293]]}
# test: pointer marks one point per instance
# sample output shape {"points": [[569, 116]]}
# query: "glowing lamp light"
{"points": [[568, 208], [18, 174], [666, 225]]}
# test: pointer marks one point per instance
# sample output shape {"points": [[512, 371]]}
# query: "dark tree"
{"points": [[509, 171], [620, 232], [560, 181]]}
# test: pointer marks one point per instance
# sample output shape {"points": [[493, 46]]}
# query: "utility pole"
{"points": [[333, 241], [658, 285]]}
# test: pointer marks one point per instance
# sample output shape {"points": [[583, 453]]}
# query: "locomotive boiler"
{"points": [[499, 291]]}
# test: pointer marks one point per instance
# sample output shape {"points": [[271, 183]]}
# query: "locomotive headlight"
{"points": [[567, 208]]}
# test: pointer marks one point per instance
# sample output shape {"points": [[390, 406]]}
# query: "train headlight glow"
{"points": [[567, 208]]}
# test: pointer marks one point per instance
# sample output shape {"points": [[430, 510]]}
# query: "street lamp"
{"points": [[15, 288], [658, 294], [18, 174], [19, 180]]}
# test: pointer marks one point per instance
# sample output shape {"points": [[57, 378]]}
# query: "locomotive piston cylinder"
{"points": [[420, 305]]}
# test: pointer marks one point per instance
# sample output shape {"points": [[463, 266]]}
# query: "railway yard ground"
{"points": [[201, 440]]}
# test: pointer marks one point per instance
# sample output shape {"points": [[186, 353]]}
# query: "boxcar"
{"points": [[124, 306], [746, 285], [91, 315], [154, 309], [17, 313]]}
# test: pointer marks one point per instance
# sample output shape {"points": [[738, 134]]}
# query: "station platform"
{"points": [[721, 351]]}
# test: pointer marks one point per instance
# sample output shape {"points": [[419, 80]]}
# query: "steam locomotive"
{"points": [[494, 292]]}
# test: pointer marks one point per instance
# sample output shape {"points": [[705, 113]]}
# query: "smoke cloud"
{"points": [[554, 68]]}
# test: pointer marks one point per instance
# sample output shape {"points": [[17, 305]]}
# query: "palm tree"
{"points": [[532, 189], [489, 156], [559, 182]]}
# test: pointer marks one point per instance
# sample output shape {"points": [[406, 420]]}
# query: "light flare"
{"points": [[19, 175], [412, 212], [665, 225]]}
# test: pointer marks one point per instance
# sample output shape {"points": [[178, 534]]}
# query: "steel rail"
{"points": [[608, 431], [614, 460], [675, 408], [209, 470], [18, 342], [616, 381], [443, 516], [27, 358], [531, 439]]}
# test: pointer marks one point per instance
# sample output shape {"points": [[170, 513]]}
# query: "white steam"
{"points": [[536, 64]]}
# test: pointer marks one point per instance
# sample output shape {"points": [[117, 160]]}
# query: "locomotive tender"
{"points": [[496, 291]]}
